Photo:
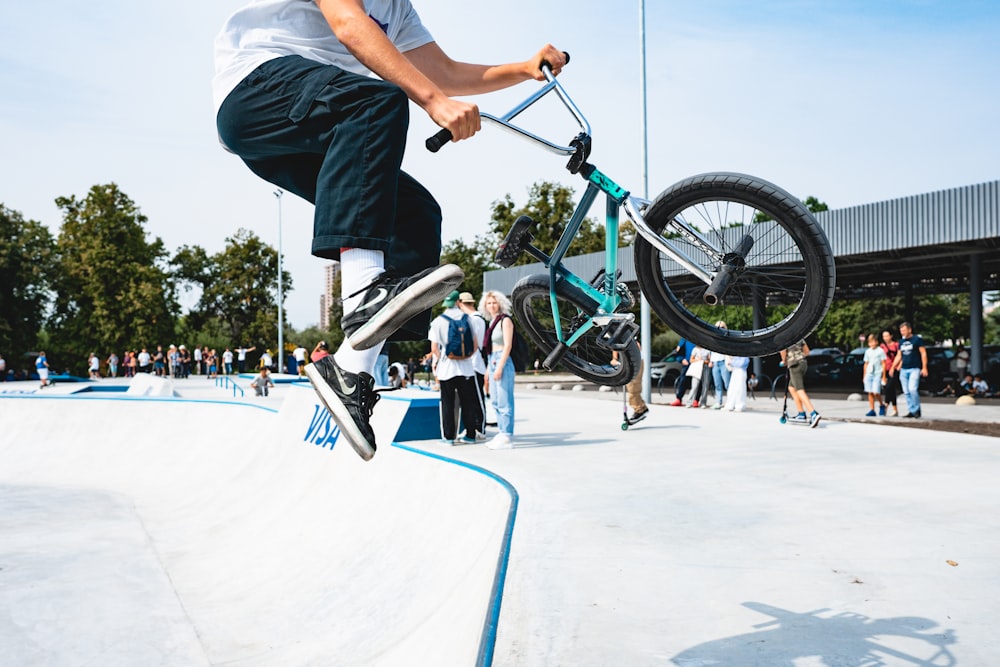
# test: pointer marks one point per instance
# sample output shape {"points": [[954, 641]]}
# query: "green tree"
{"points": [[812, 203], [238, 286], [112, 286], [550, 205], [26, 261], [475, 260]]}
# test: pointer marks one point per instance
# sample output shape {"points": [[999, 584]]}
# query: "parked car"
{"points": [[939, 371], [848, 370], [830, 351], [669, 368]]}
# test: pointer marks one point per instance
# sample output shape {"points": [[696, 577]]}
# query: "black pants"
{"points": [[336, 139], [459, 390]]}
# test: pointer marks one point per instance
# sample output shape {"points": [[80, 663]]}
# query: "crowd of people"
{"points": [[705, 369], [177, 362]]}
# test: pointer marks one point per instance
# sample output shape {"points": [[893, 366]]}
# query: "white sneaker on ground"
{"points": [[500, 441]]}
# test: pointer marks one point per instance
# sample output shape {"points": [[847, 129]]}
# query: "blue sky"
{"points": [[849, 101]]}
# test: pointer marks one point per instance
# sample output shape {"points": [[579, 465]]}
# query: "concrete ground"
{"points": [[210, 530]]}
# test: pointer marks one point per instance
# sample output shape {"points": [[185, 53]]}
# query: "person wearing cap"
{"points": [[457, 377], [467, 304]]}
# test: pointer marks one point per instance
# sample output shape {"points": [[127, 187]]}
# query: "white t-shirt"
{"points": [[299, 353], [448, 368], [268, 29]]}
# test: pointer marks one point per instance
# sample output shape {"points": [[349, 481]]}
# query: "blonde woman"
{"points": [[497, 345]]}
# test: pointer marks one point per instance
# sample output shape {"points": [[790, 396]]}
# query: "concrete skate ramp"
{"points": [[173, 532]]}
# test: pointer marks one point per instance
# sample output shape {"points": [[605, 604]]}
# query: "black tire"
{"points": [[790, 268], [586, 359]]}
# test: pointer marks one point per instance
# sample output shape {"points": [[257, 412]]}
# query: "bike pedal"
{"points": [[517, 239], [617, 335]]}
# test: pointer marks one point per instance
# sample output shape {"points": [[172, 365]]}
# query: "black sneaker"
{"points": [[638, 416], [392, 300], [350, 400]]}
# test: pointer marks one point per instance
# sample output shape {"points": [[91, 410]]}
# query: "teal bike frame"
{"points": [[606, 295]]}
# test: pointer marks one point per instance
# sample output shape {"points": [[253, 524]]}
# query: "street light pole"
{"points": [[281, 316], [644, 324]]}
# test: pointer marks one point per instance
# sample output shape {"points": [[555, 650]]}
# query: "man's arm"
{"points": [[459, 78], [374, 50], [923, 361], [426, 74]]}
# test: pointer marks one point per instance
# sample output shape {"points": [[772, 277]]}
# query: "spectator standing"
{"points": [[736, 392], [911, 362], [891, 349], [241, 357], [265, 360], [159, 362], [696, 371], [198, 368], [467, 304], [961, 361], [94, 366], [144, 361], [498, 342], [174, 359], [211, 360], [381, 369], [300, 359], [684, 348], [794, 358], [42, 368], [457, 376], [227, 361], [112, 365], [874, 375], [3, 369]]}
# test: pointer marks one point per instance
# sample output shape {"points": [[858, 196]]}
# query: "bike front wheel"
{"points": [[586, 359], [784, 278]]}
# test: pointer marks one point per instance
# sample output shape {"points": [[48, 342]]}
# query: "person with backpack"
{"points": [[498, 345], [454, 336], [467, 304]]}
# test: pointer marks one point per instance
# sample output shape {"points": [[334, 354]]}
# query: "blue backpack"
{"points": [[460, 344]]}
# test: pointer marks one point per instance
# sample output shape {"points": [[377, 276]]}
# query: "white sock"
{"points": [[358, 268], [356, 361]]}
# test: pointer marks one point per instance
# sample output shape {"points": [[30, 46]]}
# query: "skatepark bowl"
{"points": [[178, 525]]}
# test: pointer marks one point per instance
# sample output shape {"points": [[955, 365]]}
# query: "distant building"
{"points": [[330, 273]]}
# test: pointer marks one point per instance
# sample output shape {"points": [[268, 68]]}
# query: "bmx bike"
{"points": [[717, 247]]}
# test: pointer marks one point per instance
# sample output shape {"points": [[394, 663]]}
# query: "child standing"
{"points": [[874, 375]]}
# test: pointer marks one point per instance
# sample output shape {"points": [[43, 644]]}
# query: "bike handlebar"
{"points": [[442, 137]]}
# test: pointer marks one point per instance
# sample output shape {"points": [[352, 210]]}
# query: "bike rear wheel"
{"points": [[586, 359], [777, 297]]}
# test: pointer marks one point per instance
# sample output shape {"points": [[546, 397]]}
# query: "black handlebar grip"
{"points": [[435, 143], [546, 63]]}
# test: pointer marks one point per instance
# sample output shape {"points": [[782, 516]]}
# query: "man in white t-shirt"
{"points": [[295, 99], [300, 358], [457, 376]]}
